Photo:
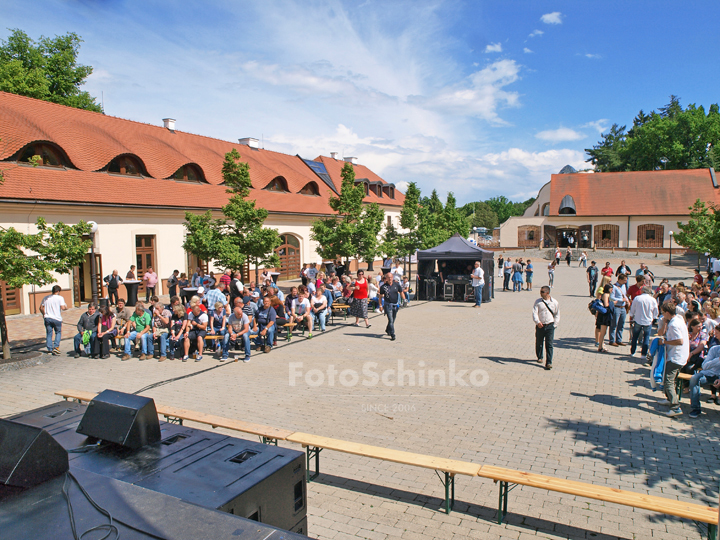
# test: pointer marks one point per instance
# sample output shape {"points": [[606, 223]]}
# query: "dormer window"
{"points": [[311, 188], [389, 190], [278, 184], [126, 165], [366, 185], [50, 155], [189, 173]]}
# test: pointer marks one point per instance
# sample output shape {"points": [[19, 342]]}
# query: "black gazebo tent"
{"points": [[453, 258]]}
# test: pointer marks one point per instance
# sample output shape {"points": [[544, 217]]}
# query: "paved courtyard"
{"points": [[592, 418]]}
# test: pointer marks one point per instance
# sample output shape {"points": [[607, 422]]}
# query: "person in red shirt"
{"points": [[360, 302], [698, 277], [636, 290], [226, 278], [607, 271]]}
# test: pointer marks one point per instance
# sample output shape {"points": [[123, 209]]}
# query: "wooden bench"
{"points": [[506, 477], [267, 434], [289, 327], [314, 444], [339, 309], [682, 380]]}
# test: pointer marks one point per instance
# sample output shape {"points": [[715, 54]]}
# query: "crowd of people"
{"points": [[225, 315], [687, 317]]}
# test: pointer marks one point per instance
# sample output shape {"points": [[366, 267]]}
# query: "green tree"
{"points": [[389, 244], [367, 229], [46, 69], [480, 214], [702, 231], [410, 241], [31, 259], [202, 237], [453, 219], [337, 236]]}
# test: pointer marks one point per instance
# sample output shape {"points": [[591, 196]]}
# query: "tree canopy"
{"points": [[669, 138], [702, 231], [494, 211], [46, 69]]}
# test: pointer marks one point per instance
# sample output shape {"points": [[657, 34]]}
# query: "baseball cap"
{"points": [[201, 290]]}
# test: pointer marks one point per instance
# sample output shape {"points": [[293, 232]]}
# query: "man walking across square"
{"points": [[546, 316], [52, 307], [592, 278], [391, 291], [618, 296]]}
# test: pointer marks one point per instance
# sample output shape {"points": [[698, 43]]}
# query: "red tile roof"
{"points": [[334, 169], [640, 193], [91, 140]]}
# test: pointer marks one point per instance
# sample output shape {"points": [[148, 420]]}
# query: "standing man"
{"points": [[478, 283], [52, 307], [113, 283], [150, 278], [391, 291], [623, 269], [677, 351], [131, 273], [546, 316], [173, 283], [643, 311], [592, 278], [397, 272], [507, 271], [618, 296]]}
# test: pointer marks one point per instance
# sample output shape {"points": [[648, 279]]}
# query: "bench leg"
{"points": [[502, 500], [289, 333], [449, 484], [269, 440], [712, 531], [173, 420], [313, 451], [679, 388]]}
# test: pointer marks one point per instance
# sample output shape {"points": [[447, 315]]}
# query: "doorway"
{"points": [[82, 284], [289, 253], [10, 298], [144, 257], [567, 237]]}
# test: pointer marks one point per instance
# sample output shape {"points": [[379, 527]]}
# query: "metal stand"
{"points": [[712, 531], [173, 420], [449, 484], [503, 500], [269, 440], [313, 451]]}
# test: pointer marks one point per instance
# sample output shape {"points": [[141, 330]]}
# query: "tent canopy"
{"points": [[455, 247]]}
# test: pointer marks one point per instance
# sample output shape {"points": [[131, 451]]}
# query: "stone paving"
{"points": [[592, 418]]}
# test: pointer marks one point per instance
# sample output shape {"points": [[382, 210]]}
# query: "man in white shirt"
{"points": [[677, 351], [195, 332], [478, 283], [546, 316], [643, 312], [52, 307], [397, 272], [301, 311]]}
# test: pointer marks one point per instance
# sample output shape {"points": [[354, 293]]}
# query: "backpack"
{"points": [[596, 307]]}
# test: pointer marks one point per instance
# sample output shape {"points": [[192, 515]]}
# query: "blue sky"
{"points": [[480, 98]]}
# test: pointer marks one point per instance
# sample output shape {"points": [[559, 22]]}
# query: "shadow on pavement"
{"points": [[508, 360]]}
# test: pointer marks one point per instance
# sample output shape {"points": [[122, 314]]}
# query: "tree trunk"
{"points": [[370, 266], [3, 331], [257, 273]]}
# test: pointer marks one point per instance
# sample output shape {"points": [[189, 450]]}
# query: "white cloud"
{"points": [[527, 51], [552, 18], [599, 125], [536, 33], [560, 134], [493, 47], [593, 56]]}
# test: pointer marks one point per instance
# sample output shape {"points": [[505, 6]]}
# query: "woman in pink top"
{"points": [[359, 305], [150, 278]]}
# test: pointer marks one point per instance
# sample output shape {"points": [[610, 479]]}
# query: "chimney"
{"points": [[169, 123], [249, 141], [352, 160], [333, 155]]}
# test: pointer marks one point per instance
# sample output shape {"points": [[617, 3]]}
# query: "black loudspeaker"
{"points": [[124, 419], [28, 456]]}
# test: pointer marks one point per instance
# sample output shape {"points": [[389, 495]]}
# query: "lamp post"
{"points": [[671, 237], [93, 269]]}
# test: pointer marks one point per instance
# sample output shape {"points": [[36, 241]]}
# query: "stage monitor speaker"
{"points": [[28, 456], [124, 419]]}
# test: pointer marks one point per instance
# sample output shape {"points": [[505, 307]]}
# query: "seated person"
{"points": [[217, 322], [195, 331], [195, 301], [84, 341], [319, 308], [106, 332], [266, 318], [373, 300], [329, 297], [301, 310], [161, 317], [289, 299], [177, 329], [406, 290], [281, 318], [238, 329], [138, 327]]}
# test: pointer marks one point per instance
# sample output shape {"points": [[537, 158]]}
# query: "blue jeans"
{"points": [[698, 380], [50, 326], [636, 331], [176, 344], [77, 343], [163, 339], [245, 338], [270, 336], [145, 342], [320, 319], [617, 323], [478, 294], [391, 311]]}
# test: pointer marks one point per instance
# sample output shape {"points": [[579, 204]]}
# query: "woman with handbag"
{"points": [[106, 333], [359, 305], [603, 319]]}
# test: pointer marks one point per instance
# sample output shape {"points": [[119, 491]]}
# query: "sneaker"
{"points": [[613, 344], [310, 335], [223, 358], [548, 367], [540, 360], [162, 359], [125, 357], [392, 338], [621, 344], [633, 355], [185, 358], [267, 349], [674, 412], [143, 357], [246, 359], [198, 357], [694, 414], [56, 352], [76, 355], [664, 402]]}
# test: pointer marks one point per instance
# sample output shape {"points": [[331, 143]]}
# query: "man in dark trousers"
{"points": [[592, 278], [392, 292], [113, 283], [546, 316]]}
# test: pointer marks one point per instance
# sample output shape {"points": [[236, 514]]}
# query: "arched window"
{"points": [[567, 205], [189, 173], [545, 209], [278, 184], [127, 164], [50, 154], [311, 188], [389, 190], [365, 183]]}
